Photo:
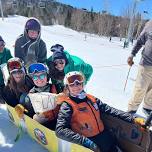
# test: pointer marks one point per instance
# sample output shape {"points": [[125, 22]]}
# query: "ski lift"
{"points": [[29, 4], [9, 3], [42, 4], [84, 9], [14, 3]]}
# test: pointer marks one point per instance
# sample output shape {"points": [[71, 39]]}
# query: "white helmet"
{"points": [[73, 76]]}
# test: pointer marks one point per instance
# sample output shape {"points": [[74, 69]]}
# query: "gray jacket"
{"points": [[30, 51], [145, 39]]}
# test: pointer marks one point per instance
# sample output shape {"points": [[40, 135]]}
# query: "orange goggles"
{"points": [[75, 78]]}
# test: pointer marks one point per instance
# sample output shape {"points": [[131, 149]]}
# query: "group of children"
{"points": [[74, 114]]}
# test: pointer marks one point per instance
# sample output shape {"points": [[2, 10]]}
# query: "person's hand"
{"points": [[20, 110], [91, 145], [139, 121], [130, 61], [60, 98]]}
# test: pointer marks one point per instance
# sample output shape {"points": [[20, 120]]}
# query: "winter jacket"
{"points": [[74, 64], [145, 39], [9, 95], [4, 57], [64, 129], [30, 51], [86, 111]]}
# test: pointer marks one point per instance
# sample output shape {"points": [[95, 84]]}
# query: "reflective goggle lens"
{"points": [[75, 83], [33, 68], [40, 77], [14, 65], [74, 78]]}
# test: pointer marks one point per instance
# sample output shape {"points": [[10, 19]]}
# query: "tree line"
{"points": [[50, 12]]}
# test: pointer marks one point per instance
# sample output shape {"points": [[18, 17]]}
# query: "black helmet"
{"points": [[33, 24]]}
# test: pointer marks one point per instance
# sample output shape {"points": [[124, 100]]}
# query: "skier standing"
{"points": [[29, 46]]}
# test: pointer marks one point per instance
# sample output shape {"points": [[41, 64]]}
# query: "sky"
{"points": [[115, 7], [107, 82]]}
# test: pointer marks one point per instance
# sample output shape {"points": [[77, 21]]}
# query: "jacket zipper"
{"points": [[94, 116]]}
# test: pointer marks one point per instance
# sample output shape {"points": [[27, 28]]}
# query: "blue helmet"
{"points": [[37, 67]]}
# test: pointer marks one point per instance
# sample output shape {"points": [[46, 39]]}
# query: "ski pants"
{"points": [[142, 89], [105, 141]]}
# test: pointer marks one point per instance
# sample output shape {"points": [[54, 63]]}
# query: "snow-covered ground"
{"points": [[107, 82]]}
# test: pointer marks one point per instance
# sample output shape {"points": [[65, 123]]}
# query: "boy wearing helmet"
{"points": [[18, 83], [61, 62], [40, 98], [79, 119], [29, 46]]}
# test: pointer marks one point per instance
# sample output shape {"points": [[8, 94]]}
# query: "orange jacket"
{"points": [[86, 117], [52, 114]]}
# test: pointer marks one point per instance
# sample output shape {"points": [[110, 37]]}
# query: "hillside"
{"points": [[50, 12]]}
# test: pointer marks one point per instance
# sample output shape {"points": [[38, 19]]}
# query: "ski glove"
{"points": [[91, 145], [130, 61], [20, 110], [60, 98], [139, 121]]}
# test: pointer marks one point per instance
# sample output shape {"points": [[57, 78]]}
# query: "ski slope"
{"points": [[107, 82]]}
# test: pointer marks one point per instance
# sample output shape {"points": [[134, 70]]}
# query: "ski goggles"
{"points": [[75, 83], [14, 65], [15, 72], [36, 67], [59, 61], [71, 80], [39, 77]]}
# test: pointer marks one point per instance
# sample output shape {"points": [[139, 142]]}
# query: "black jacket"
{"points": [[63, 127], [9, 95]]}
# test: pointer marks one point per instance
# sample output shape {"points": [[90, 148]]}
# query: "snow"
{"points": [[107, 82]]}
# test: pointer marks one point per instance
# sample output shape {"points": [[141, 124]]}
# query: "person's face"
{"points": [[59, 64], [33, 34], [18, 75], [40, 79], [2, 45], [75, 88]]}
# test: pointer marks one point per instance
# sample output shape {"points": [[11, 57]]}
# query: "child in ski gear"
{"points": [[143, 85], [29, 46], [40, 103], [18, 82], [61, 62], [5, 55], [79, 119]]}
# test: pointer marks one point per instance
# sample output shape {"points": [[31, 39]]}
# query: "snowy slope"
{"points": [[107, 58]]}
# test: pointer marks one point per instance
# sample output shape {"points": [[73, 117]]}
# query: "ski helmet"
{"points": [[14, 64], [72, 77], [33, 24], [37, 67]]}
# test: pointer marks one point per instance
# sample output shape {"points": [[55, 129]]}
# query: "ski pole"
{"points": [[127, 78]]}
